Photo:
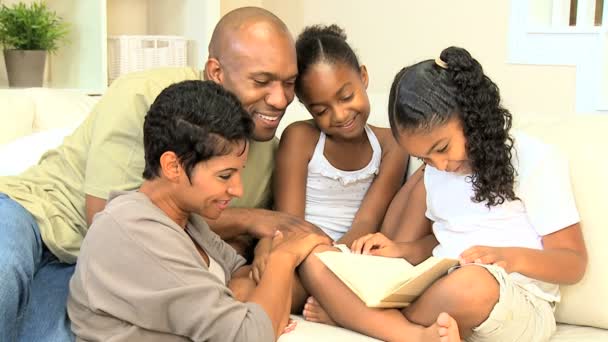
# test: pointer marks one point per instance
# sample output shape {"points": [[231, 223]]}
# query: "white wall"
{"points": [[390, 34]]}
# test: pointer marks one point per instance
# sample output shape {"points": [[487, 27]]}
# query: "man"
{"points": [[45, 212]]}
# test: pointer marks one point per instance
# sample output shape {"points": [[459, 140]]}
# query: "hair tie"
{"points": [[441, 63]]}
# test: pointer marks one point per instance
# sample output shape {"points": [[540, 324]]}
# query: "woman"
{"points": [[150, 269]]}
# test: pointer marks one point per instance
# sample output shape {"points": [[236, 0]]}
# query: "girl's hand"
{"points": [[376, 244], [499, 256]]}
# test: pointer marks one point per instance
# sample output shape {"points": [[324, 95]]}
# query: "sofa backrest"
{"points": [[582, 138], [27, 111]]}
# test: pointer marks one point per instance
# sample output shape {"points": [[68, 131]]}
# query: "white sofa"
{"points": [[37, 119]]}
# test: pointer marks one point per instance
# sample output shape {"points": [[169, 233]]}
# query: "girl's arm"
{"points": [[405, 219], [291, 168], [390, 176], [562, 261], [406, 231]]}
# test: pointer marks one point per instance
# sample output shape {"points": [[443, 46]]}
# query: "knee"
{"points": [[470, 287]]}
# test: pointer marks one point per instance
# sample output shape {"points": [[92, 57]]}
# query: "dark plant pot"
{"points": [[25, 68]]}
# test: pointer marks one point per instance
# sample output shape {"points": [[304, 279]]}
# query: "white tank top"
{"points": [[333, 196], [216, 269]]}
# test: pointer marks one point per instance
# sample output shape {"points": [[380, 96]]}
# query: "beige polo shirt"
{"points": [[106, 153]]}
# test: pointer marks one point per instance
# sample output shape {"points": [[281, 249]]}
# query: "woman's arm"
{"points": [[562, 261], [274, 291], [289, 182], [376, 201]]}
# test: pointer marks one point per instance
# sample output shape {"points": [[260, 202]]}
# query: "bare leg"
{"points": [[314, 312], [298, 296], [467, 294], [348, 311]]}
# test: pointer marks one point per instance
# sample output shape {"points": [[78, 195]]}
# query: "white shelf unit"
{"points": [[82, 64]]}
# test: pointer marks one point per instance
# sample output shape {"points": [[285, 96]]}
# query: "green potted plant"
{"points": [[27, 32]]}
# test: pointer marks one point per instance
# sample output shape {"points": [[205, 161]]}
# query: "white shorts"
{"points": [[519, 315]]}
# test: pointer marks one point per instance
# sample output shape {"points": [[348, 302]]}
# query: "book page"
{"points": [[422, 276], [370, 277]]}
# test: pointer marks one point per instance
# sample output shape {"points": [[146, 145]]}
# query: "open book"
{"points": [[383, 282]]}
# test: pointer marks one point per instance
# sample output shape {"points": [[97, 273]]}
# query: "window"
{"points": [[565, 32]]}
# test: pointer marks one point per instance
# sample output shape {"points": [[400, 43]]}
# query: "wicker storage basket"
{"points": [[128, 53]]}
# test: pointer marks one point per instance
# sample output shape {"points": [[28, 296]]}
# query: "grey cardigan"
{"points": [[139, 277]]}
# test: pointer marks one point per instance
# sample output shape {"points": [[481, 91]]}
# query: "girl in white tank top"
{"points": [[335, 170]]}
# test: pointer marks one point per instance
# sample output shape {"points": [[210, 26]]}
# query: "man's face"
{"points": [[261, 70]]}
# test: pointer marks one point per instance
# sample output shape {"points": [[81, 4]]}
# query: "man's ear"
{"points": [[170, 167], [364, 76], [213, 71]]}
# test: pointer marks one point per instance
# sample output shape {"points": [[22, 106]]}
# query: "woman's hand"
{"points": [[260, 258], [499, 256], [376, 244], [266, 222], [241, 284], [298, 243]]}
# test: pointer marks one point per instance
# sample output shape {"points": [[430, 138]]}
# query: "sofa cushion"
{"points": [[57, 108], [582, 138], [16, 116], [308, 331], [23, 152]]}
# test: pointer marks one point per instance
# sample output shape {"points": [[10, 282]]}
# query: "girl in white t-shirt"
{"points": [[500, 203], [335, 171]]}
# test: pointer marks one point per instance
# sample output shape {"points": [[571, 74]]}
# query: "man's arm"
{"points": [[256, 222], [93, 205]]}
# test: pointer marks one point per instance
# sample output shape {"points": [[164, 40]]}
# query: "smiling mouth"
{"points": [[348, 124], [268, 117], [223, 203]]}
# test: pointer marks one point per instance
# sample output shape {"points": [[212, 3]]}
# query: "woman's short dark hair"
{"points": [[195, 119], [320, 43], [428, 94]]}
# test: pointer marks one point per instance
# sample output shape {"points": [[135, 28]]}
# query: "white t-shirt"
{"points": [[547, 205]]}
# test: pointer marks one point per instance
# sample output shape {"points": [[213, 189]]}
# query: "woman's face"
{"points": [[443, 147], [214, 183], [335, 94]]}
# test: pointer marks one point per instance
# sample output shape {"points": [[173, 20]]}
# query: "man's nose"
{"points": [[278, 97]]}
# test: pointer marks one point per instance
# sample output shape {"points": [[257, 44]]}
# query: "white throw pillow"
{"points": [[57, 108], [26, 151], [16, 114]]}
